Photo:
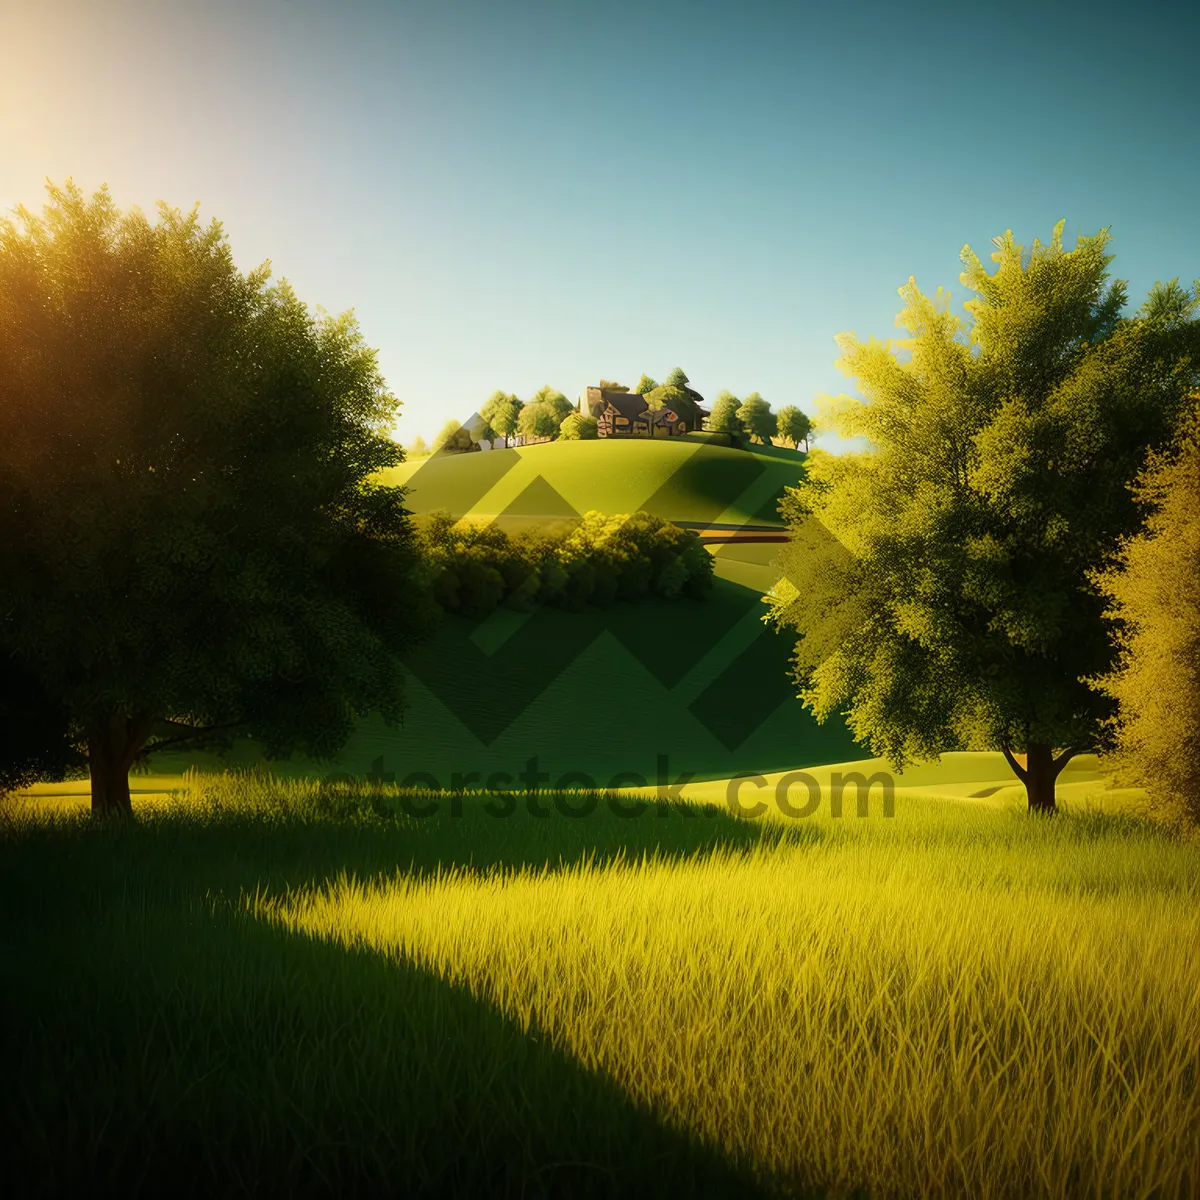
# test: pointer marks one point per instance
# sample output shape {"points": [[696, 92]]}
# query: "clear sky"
{"points": [[511, 194]]}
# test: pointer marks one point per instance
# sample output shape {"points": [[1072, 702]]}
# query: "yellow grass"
{"points": [[959, 1001]]}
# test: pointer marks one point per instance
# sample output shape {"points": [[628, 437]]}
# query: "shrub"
{"points": [[578, 428], [472, 569]]}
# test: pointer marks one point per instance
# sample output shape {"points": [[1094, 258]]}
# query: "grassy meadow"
{"points": [[287, 987]]}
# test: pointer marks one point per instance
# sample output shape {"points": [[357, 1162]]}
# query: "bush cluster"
{"points": [[473, 569]]}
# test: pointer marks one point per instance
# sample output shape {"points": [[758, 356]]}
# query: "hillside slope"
{"points": [[681, 480], [701, 686]]}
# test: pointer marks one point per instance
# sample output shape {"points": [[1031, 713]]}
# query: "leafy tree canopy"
{"points": [[451, 438], [680, 401], [501, 410], [577, 428], [669, 397], [677, 379], [36, 741], [1154, 590], [795, 425], [602, 558], [190, 534], [554, 400], [479, 429], [644, 385], [724, 415], [607, 385], [757, 418], [539, 420], [943, 580]]}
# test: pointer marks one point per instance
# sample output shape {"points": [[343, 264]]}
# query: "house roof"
{"points": [[633, 406], [627, 404]]}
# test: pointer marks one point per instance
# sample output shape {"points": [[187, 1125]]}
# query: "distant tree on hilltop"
{"points": [[554, 400], [479, 429], [795, 425], [451, 438], [724, 415], [539, 420], [757, 418], [502, 410]]}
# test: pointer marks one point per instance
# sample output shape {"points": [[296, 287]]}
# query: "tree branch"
{"points": [[1064, 758], [1018, 770], [137, 731], [189, 736]]}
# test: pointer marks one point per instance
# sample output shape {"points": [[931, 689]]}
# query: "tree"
{"points": [[677, 379], [538, 421], [479, 430], [578, 428], [607, 385], [191, 538], [665, 397], [943, 581], [452, 438], [677, 400], [554, 400], [501, 411], [795, 425], [757, 418], [644, 385], [724, 416], [417, 447], [36, 742], [1154, 591]]}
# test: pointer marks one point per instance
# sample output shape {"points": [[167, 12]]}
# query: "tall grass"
{"points": [[318, 994]]}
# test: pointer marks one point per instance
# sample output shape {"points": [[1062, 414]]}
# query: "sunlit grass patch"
{"points": [[949, 1006], [299, 985]]}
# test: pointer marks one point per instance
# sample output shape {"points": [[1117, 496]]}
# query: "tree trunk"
{"points": [[112, 747], [1039, 772]]}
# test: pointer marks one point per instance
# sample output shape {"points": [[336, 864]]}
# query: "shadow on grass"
{"points": [[185, 1053], [160, 1042], [178, 856]]}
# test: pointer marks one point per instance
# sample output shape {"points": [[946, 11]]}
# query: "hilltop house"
{"points": [[626, 414]]}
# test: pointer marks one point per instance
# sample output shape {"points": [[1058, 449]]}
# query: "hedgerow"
{"points": [[474, 569]]}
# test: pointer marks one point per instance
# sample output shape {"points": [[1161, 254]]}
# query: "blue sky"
{"points": [[513, 194]]}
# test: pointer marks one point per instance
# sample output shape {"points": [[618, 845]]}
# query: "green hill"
{"points": [[701, 684], [679, 479]]}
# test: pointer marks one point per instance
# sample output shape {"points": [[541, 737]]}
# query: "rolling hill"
{"points": [[687, 481]]}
